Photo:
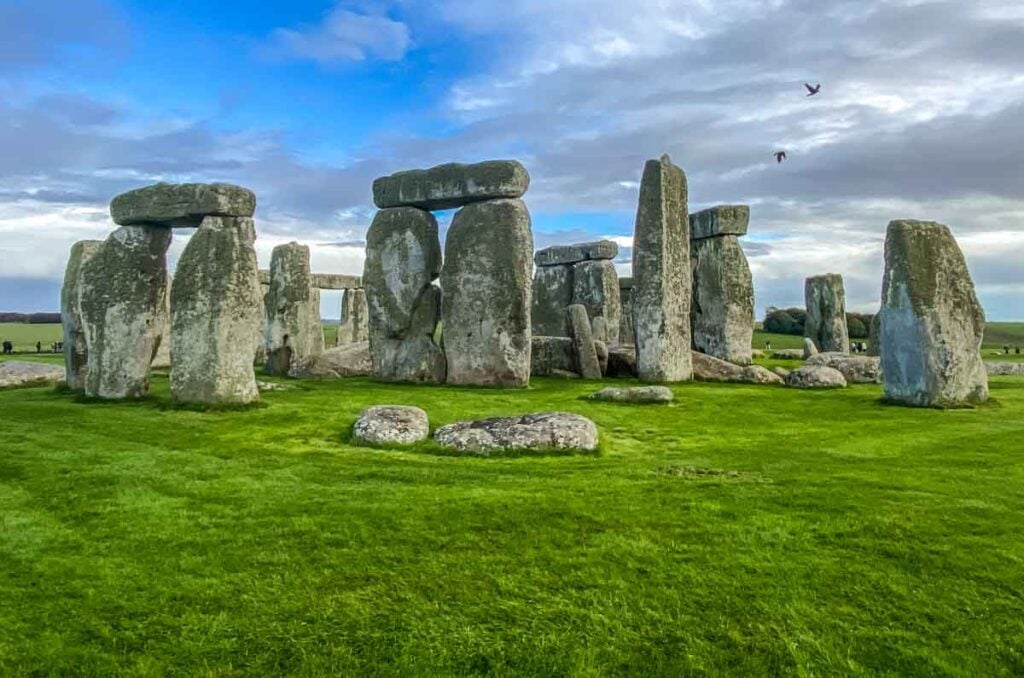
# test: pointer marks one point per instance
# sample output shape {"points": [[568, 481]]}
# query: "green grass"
{"points": [[743, 531], [25, 335]]}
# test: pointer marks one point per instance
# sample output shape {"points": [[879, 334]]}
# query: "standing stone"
{"points": [[489, 255], [587, 363], [626, 333], [162, 359], [875, 335], [722, 310], [826, 313], [215, 315], [809, 348], [596, 288], [76, 353], [552, 294], [123, 304], [293, 328], [932, 325], [452, 185], [403, 259], [661, 275], [353, 327]]}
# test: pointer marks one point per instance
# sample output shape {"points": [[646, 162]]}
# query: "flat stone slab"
{"points": [[720, 220], [856, 369], [788, 354], [181, 205], [452, 185], [1001, 369], [709, 368], [18, 373], [572, 254], [634, 394], [348, 360], [336, 281], [540, 431], [816, 377], [391, 425]]}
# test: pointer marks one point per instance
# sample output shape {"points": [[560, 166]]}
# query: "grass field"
{"points": [[742, 531]]}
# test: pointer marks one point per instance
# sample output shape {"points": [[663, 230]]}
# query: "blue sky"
{"points": [[307, 101]]}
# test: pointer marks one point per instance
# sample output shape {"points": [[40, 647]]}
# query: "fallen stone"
{"points": [[571, 254], [596, 288], [452, 185], [825, 323], [551, 295], [809, 348], [294, 331], [17, 373], [487, 284], [788, 354], [270, 386], [932, 325], [543, 431], [722, 220], [856, 369], [709, 368], [181, 205], [621, 362], [587, 364], [635, 394], [349, 360], [661, 275], [781, 372], [76, 352], [815, 377], [756, 353], [354, 325], [1004, 369], [722, 307], [391, 425]]}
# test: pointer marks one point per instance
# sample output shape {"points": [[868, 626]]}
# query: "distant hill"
{"points": [[30, 318]]}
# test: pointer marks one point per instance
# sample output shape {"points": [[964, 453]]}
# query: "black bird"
{"points": [[811, 91], [780, 156]]}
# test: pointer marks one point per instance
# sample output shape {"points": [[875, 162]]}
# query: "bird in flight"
{"points": [[811, 91], [780, 156]]}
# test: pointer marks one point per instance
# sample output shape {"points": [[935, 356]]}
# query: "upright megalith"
{"points": [[626, 333], [826, 313], [587, 364], [722, 307], [552, 294], [293, 328], [353, 327], [123, 305], [181, 205], [403, 261], [576, 274], [76, 352], [487, 286], [931, 324], [661, 275], [215, 315], [452, 185], [596, 288]]}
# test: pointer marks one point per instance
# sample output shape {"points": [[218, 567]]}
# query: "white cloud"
{"points": [[344, 35]]}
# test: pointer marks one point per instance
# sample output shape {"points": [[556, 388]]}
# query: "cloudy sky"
{"points": [[921, 115]]}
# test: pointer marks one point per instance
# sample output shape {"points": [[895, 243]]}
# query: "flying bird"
{"points": [[780, 156], [811, 91]]}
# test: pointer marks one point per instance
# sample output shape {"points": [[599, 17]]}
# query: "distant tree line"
{"points": [[791, 321], [30, 318]]}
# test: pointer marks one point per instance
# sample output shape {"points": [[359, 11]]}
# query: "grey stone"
{"points": [[16, 373], [757, 353], [621, 362], [76, 353], [391, 425], [552, 294], [1004, 369], [722, 307], [162, 359], [856, 369], [349, 360], [596, 288], [825, 297], [336, 281], [722, 220], [602, 350], [181, 205], [661, 275], [403, 260], [932, 325], [816, 377], [571, 254], [788, 354], [809, 348], [294, 331], [782, 372], [489, 254], [626, 333], [634, 394], [583, 342], [124, 310], [215, 315], [709, 368], [875, 335], [354, 325], [549, 355], [452, 185], [542, 431]]}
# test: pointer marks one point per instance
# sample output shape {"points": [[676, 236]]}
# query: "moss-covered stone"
{"points": [[722, 307], [825, 323], [181, 205], [452, 185], [293, 331], [76, 352]]}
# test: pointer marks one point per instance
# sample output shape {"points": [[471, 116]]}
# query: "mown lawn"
{"points": [[742, 531]]}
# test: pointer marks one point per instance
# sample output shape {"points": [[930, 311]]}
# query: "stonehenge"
{"points": [[826, 313], [626, 334], [722, 306], [293, 330], [181, 205], [452, 185], [76, 352], [931, 325], [577, 274], [353, 326]]}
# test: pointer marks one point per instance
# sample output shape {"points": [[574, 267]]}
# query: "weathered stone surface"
{"points": [[215, 315], [403, 259], [76, 353], [552, 294], [626, 333], [825, 297], [293, 328], [621, 362], [709, 368], [788, 354], [1004, 369], [587, 364], [875, 336], [596, 288], [757, 353], [124, 310], [542, 431], [809, 348], [391, 425], [162, 359], [487, 286], [181, 205], [336, 281], [16, 373], [661, 275], [601, 348], [350, 360], [856, 369], [722, 220], [452, 185], [782, 372], [932, 325], [635, 394], [549, 355], [722, 308], [815, 377], [354, 325], [571, 254]]}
